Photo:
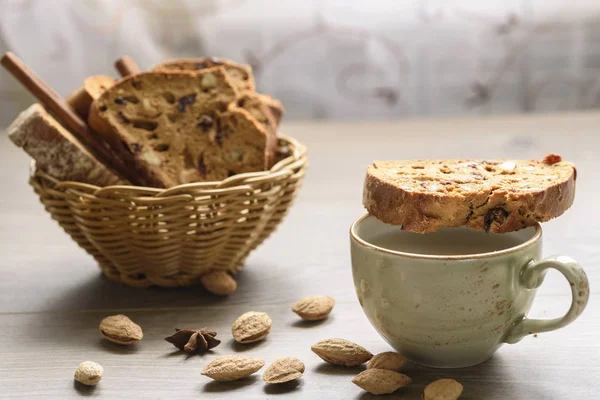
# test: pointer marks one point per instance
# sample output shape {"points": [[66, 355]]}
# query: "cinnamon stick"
{"points": [[59, 107], [44, 93], [126, 66]]}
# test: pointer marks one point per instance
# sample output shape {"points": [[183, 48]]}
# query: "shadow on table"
{"points": [[479, 381], [242, 347], [114, 348], [282, 388], [312, 324], [185, 357], [329, 369], [83, 305], [85, 390], [98, 292], [217, 387]]}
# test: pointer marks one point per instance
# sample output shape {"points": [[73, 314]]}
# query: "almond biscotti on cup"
{"points": [[174, 127], [493, 195]]}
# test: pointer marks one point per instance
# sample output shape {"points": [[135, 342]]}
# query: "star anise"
{"points": [[193, 341]]}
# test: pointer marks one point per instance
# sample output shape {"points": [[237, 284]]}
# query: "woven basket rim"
{"points": [[282, 170]]}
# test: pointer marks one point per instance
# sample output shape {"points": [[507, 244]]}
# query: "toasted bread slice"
{"points": [[493, 195], [56, 151]]}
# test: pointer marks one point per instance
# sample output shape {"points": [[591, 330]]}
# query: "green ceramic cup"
{"points": [[451, 298]]}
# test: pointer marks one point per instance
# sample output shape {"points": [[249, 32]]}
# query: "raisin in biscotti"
{"points": [[496, 196], [174, 127], [240, 74], [92, 88], [56, 151]]}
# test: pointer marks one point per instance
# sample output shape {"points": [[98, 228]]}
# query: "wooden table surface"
{"points": [[52, 295]]}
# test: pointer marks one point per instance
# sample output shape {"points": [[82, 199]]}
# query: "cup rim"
{"points": [[354, 236]]}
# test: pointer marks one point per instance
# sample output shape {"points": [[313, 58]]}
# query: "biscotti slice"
{"points": [[277, 109], [264, 108], [240, 74], [174, 127], [56, 151], [238, 144], [493, 195], [283, 150], [252, 103], [93, 87], [149, 119]]}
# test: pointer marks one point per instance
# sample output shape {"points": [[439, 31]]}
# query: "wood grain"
{"points": [[52, 296]]}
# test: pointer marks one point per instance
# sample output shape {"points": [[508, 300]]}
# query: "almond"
{"points": [[389, 360], [381, 381], [89, 373], [208, 81], [149, 110], [121, 330], [151, 158], [251, 327], [314, 308], [231, 368], [191, 175], [443, 389], [284, 370], [341, 352], [219, 282], [507, 167]]}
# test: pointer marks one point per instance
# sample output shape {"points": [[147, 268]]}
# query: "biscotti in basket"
{"points": [[179, 175], [177, 127]]}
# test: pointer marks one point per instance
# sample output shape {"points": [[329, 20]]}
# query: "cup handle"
{"points": [[532, 276]]}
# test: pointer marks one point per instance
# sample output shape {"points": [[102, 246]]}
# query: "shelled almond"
{"points": [[341, 352], [381, 381], [231, 368]]}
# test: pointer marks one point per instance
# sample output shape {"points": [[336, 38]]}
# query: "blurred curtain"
{"points": [[330, 58]]}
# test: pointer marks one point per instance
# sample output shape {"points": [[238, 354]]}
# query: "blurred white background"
{"points": [[324, 59]]}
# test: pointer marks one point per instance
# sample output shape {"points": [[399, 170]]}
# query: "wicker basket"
{"points": [[171, 237]]}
